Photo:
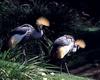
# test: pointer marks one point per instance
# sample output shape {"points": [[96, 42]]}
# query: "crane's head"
{"points": [[42, 21], [81, 43]]}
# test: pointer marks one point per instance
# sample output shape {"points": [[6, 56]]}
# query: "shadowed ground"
{"points": [[88, 70]]}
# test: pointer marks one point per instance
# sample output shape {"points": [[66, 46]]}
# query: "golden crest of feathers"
{"points": [[80, 43], [42, 21]]}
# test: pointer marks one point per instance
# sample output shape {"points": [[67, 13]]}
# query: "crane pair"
{"points": [[62, 46]]}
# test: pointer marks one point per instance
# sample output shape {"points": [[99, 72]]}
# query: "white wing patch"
{"points": [[63, 50], [14, 40]]}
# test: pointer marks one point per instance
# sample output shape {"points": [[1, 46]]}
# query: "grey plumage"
{"points": [[21, 30], [64, 40], [21, 33]]}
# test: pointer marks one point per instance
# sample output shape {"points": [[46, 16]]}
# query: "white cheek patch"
{"points": [[74, 49]]}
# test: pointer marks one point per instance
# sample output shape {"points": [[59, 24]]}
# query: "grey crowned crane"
{"points": [[24, 33], [63, 46]]}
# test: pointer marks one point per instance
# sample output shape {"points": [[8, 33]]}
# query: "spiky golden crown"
{"points": [[42, 21], [81, 43]]}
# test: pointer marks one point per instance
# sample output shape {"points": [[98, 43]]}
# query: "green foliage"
{"points": [[11, 71], [13, 55]]}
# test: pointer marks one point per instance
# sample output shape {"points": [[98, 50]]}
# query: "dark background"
{"points": [[75, 17]]}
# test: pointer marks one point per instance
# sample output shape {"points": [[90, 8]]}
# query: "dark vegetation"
{"points": [[78, 18]]}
